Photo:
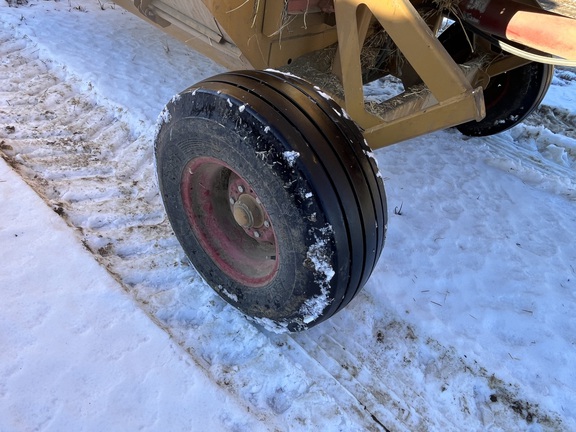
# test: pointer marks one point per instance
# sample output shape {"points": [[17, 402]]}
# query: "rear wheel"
{"points": [[509, 97], [273, 194]]}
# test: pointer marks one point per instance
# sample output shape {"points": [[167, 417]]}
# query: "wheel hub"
{"points": [[247, 212]]}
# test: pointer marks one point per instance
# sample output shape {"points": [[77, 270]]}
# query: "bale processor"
{"points": [[267, 172]]}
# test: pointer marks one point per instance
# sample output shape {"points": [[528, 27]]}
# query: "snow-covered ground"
{"points": [[467, 323]]}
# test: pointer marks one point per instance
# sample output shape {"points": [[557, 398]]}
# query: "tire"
{"points": [[509, 97], [273, 195]]}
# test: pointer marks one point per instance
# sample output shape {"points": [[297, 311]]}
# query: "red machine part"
{"points": [[529, 26]]}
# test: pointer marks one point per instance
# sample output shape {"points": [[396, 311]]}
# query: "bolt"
{"points": [[240, 188]]}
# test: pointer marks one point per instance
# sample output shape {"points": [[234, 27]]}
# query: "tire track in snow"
{"points": [[92, 172], [88, 168], [537, 156], [543, 152]]}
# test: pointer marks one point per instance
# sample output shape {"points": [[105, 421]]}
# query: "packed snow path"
{"points": [[380, 364], [83, 355]]}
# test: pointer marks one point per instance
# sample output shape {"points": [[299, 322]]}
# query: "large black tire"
{"points": [[509, 97], [273, 194]]}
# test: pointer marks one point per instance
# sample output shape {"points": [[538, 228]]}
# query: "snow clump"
{"points": [[291, 157], [319, 255]]}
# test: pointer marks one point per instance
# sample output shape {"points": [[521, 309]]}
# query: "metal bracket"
{"points": [[448, 99]]}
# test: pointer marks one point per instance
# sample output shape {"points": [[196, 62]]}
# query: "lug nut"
{"points": [[256, 234], [240, 188]]}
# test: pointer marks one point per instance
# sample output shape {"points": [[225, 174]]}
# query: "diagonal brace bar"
{"points": [[457, 101]]}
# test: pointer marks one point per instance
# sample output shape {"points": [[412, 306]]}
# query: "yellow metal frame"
{"points": [[451, 99], [265, 36], [257, 34]]}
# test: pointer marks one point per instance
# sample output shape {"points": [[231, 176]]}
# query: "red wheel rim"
{"points": [[229, 221]]}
